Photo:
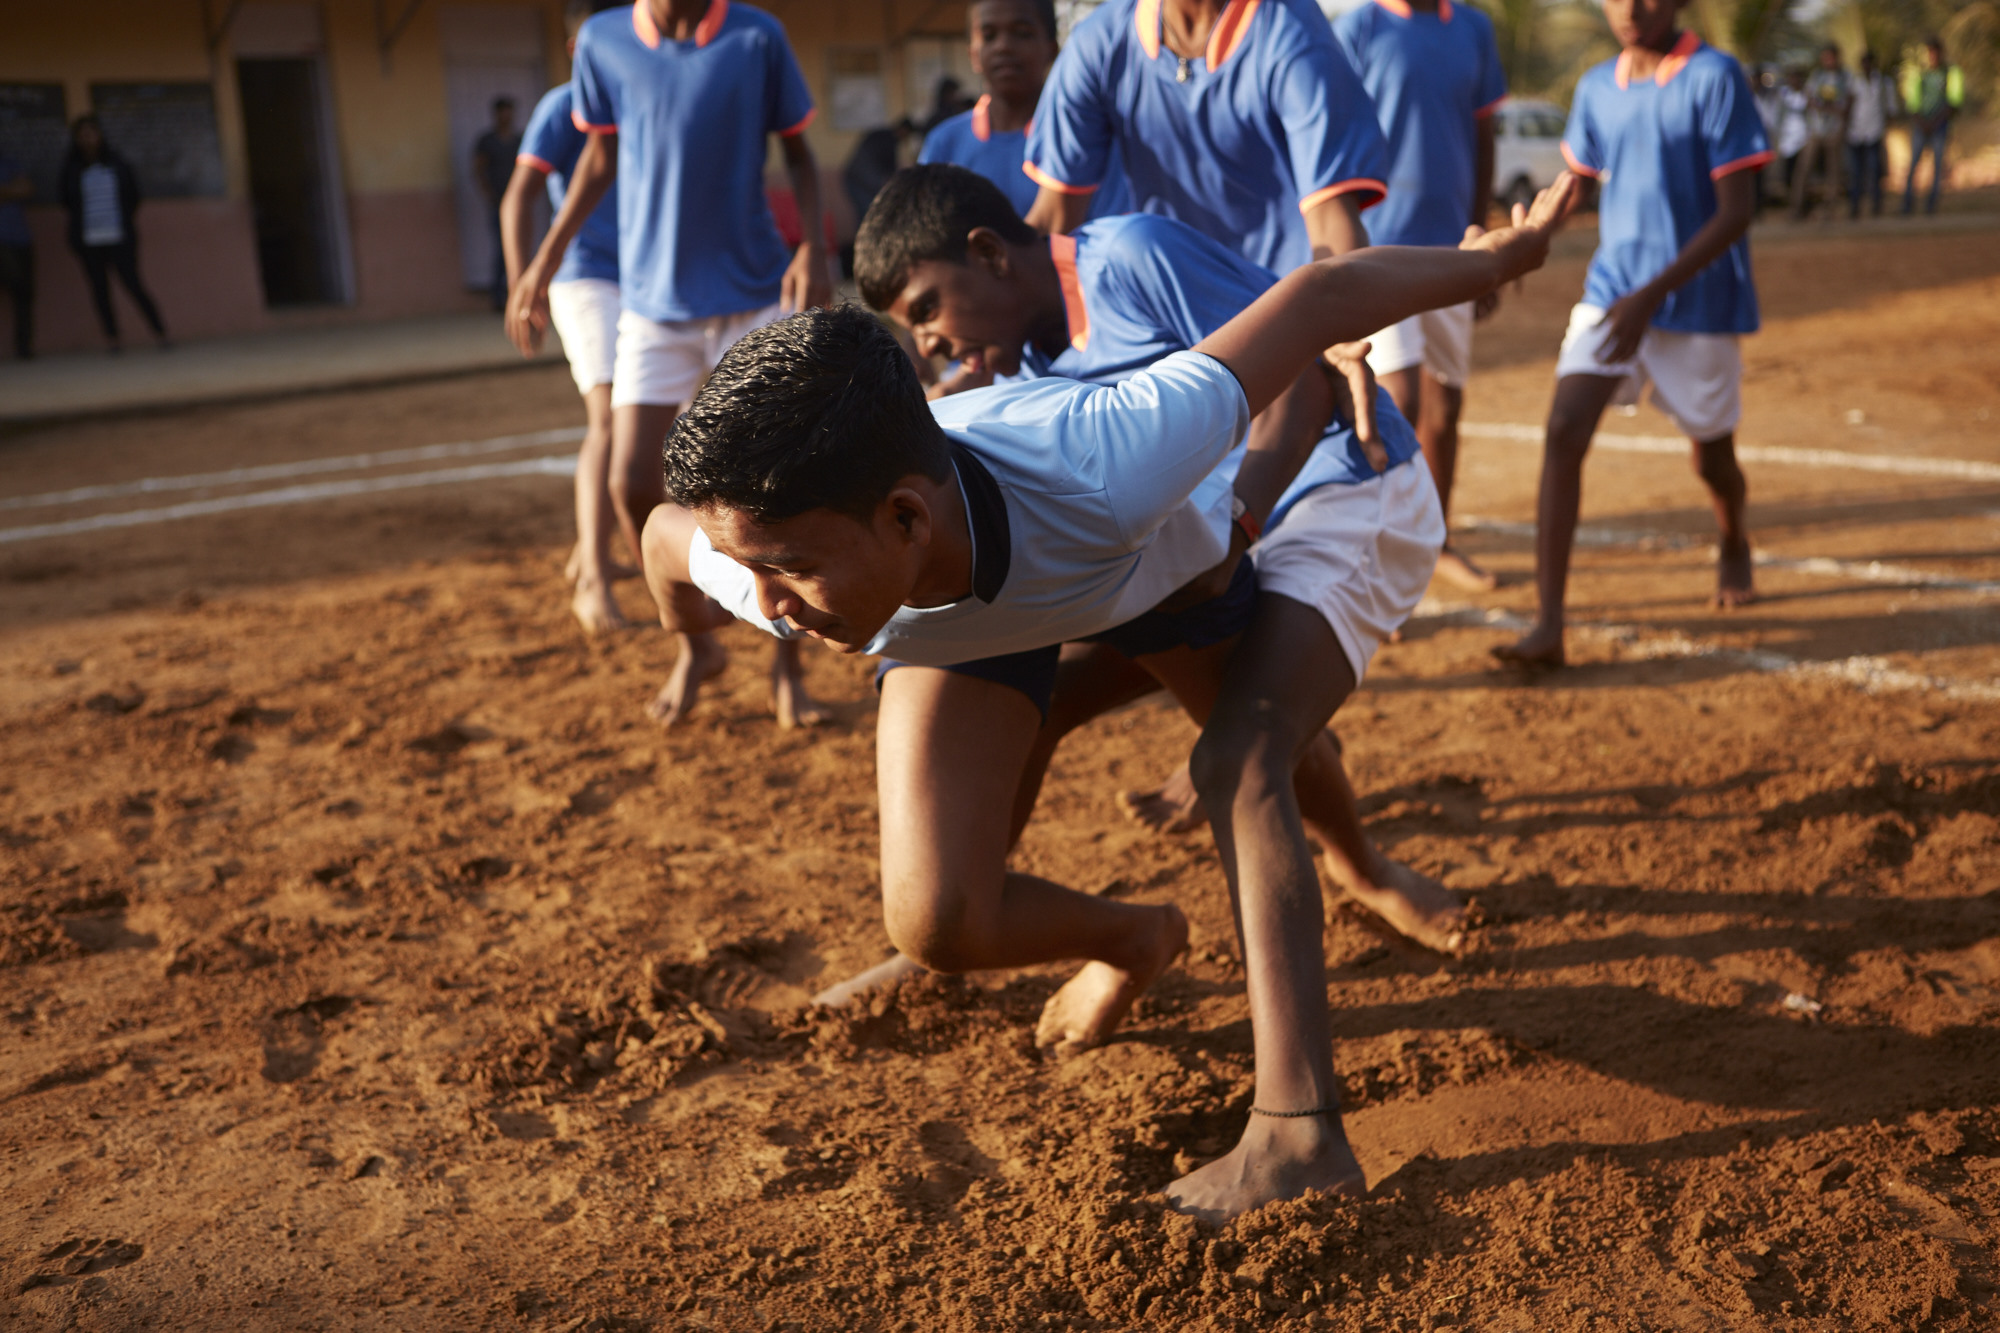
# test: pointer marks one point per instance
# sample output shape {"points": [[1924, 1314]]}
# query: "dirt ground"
{"points": [[368, 961]]}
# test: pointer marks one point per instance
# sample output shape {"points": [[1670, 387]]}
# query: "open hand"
{"points": [[806, 284], [1523, 246], [528, 310], [1353, 384]]}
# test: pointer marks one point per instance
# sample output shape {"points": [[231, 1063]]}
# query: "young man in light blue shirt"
{"points": [[816, 493]]}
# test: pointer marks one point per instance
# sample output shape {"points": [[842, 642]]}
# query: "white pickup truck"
{"points": [[1527, 149]]}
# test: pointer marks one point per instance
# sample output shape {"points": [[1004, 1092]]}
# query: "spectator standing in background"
{"points": [[1872, 102], [1792, 131], [493, 167], [1826, 132], [1932, 95], [100, 191], [17, 253]]}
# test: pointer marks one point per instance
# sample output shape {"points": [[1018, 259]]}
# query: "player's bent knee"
{"points": [[929, 931], [1235, 757]]}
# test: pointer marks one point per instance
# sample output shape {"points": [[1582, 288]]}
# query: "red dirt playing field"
{"points": [[368, 962]]}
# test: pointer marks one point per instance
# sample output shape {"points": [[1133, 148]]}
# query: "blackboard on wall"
{"points": [[34, 131], [167, 132]]}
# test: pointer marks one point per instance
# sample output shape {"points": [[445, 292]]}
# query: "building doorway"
{"points": [[289, 188], [298, 204]]}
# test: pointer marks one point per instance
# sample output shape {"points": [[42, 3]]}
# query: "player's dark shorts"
{"points": [[1033, 672]]}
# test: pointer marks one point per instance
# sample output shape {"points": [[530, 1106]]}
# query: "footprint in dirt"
{"points": [[293, 1037], [76, 1259]]}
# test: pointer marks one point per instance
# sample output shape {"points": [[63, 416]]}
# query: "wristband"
{"points": [[1240, 515]]}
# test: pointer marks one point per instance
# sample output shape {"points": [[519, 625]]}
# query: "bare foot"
{"points": [[591, 602], [1540, 649], [875, 978], [701, 659], [1276, 1159], [789, 700], [1172, 807], [1092, 1004], [1460, 572], [1733, 579], [1413, 905]]}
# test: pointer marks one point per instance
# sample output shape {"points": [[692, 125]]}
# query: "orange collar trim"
{"points": [[704, 31], [982, 118], [1402, 10], [1062, 249], [1676, 60], [1224, 39]]}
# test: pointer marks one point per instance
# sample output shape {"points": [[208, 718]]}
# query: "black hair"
{"points": [[1935, 42], [499, 102], [819, 411], [1045, 14], [87, 118], [925, 213]]}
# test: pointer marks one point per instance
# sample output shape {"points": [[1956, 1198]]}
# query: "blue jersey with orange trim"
{"points": [[696, 237], [969, 140], [1433, 76], [1657, 146], [1238, 144], [551, 145], [1139, 288]]}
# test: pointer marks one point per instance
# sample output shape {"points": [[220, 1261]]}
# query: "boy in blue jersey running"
{"points": [[817, 493], [1013, 44], [1242, 120], [679, 98], [1670, 131], [583, 306], [1353, 535], [1433, 71]]}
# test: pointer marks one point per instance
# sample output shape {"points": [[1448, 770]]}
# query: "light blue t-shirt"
{"points": [[695, 232], [1432, 77], [1238, 144], [1113, 499], [969, 140], [1657, 146], [1141, 287], [551, 145]]}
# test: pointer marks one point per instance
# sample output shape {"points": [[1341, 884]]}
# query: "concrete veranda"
{"points": [[255, 366]]}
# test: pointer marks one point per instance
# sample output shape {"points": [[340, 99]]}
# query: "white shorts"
{"points": [[585, 313], [1438, 340], [661, 363], [1361, 555], [1697, 378]]}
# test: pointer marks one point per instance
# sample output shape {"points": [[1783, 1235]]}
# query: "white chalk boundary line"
{"points": [[1868, 571], [429, 453], [1911, 465], [1872, 675], [555, 465]]}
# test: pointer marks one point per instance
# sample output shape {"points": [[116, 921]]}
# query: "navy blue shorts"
{"points": [[1033, 672]]}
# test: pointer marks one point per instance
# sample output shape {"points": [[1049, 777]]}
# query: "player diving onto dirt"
{"points": [[815, 492]]}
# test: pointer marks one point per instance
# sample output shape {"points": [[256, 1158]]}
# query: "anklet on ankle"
{"points": [[1296, 1115]]}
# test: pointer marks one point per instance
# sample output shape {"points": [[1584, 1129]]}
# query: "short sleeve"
{"points": [[1187, 285], [1731, 129], [1580, 147], [791, 103], [1331, 133], [1158, 435], [1069, 144], [550, 142], [1492, 76], [594, 104], [731, 585]]}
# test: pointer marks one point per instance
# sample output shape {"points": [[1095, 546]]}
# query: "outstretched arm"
{"points": [[517, 217], [1347, 298]]}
